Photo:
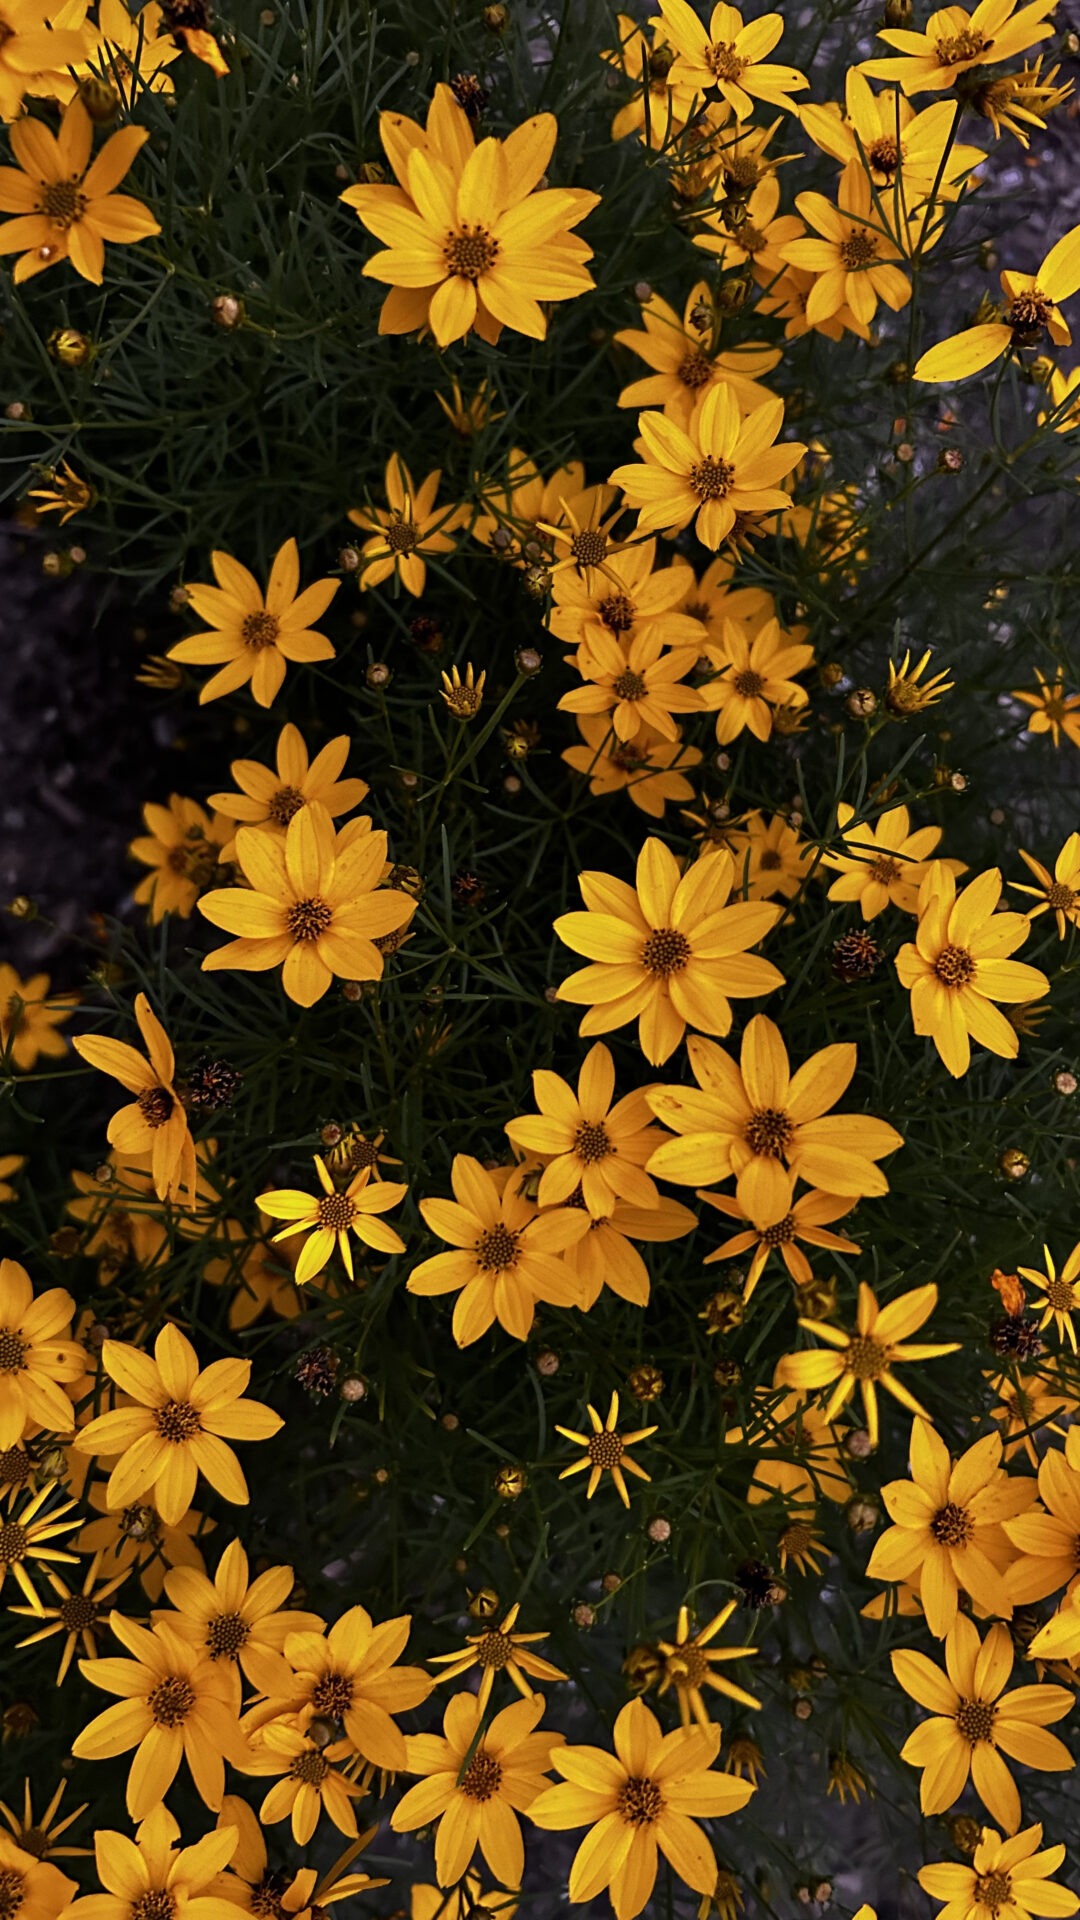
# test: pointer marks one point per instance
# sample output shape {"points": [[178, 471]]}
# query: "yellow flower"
{"points": [[155, 1122], [311, 1783], [131, 48], [463, 698], [754, 243], [749, 1120], [408, 531], [585, 1141], [955, 41], [905, 696], [75, 1614], [329, 1217], [469, 416], [976, 1724], [1015, 101], [1060, 1295], [504, 1255], [522, 517], [241, 1624], [769, 856], [801, 1543], [689, 1660], [730, 58], [806, 1219], [649, 1796], [1005, 1876], [314, 907], [853, 256], [640, 684], [250, 636], [1031, 308], [661, 104], [136, 1539], [173, 1706], [754, 677], [1027, 1403], [37, 1890], [182, 848], [867, 1357], [1046, 1541], [259, 1276], [950, 1527], [670, 952], [686, 360], [473, 1786], [30, 1534], [648, 769], [29, 1017], [249, 1885], [882, 862], [177, 1427], [718, 467], [627, 599], [64, 492], [499, 1650], [1053, 710], [147, 1875], [349, 1674], [44, 1830], [603, 1256], [271, 797], [606, 1451], [1058, 892], [473, 241], [903, 151], [958, 967], [795, 1453], [65, 202], [36, 54], [38, 1357]]}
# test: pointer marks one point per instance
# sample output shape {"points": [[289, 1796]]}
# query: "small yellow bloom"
{"points": [[606, 1451], [463, 698], [689, 1661], [1016, 101], [958, 966], [251, 636], [907, 693], [500, 1650], [955, 41], [729, 57], [719, 466], [77, 1614], [29, 1017], [685, 360], [853, 256], [1058, 892], [1053, 710], [504, 1256], [1005, 1876], [182, 847], [754, 677], [1061, 1295], [131, 52], [881, 862], [649, 769], [240, 1623], [36, 55], [866, 1357], [155, 1122], [30, 1535], [329, 1217], [1031, 309], [806, 1218], [475, 1780], [64, 492], [64, 201], [469, 416], [44, 1829], [270, 797], [408, 531], [661, 104]]}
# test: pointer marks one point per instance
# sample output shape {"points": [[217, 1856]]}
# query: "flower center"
{"points": [[605, 1449], [482, 1776], [226, 1633], [1028, 314], [14, 1541], [711, 479], [858, 249], [975, 1720], [62, 203], [307, 919], [494, 1650], [885, 155], [688, 1666], [285, 804], [1061, 1296], [155, 1105], [748, 684], [267, 1895], [259, 630], [617, 612], [336, 1212], [78, 1612], [310, 1769], [332, 1695], [171, 1701], [177, 1421], [629, 686], [15, 1462], [470, 253], [993, 1890], [968, 44], [886, 871], [12, 1351], [954, 967], [665, 951], [952, 1526], [723, 61], [769, 1131], [496, 1250], [867, 1359], [640, 1802], [589, 547], [591, 1142], [1061, 899], [696, 370], [770, 861], [781, 1233], [402, 536], [156, 1904], [12, 1891]]}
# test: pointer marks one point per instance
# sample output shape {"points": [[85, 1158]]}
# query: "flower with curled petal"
{"points": [[155, 1123]]}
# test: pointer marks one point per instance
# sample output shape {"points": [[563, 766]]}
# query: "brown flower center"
{"points": [[748, 684], [494, 1650], [336, 1212], [259, 630], [1028, 314], [14, 1541], [307, 919], [226, 1633], [858, 249], [177, 1421], [617, 612], [482, 1776], [12, 1351], [695, 370], [1061, 899], [12, 1892], [589, 547], [592, 1142], [171, 1700], [665, 951], [954, 967], [886, 871], [885, 155], [15, 1462], [155, 1105], [1061, 1296], [332, 1695], [285, 804], [157, 1903], [993, 1890], [630, 686], [968, 44], [470, 253], [952, 1526], [710, 478], [867, 1359], [78, 1612], [975, 1720], [310, 1769], [770, 861], [496, 1250], [640, 1802], [781, 1233], [62, 203], [723, 61], [401, 536], [769, 1131], [688, 1665], [605, 1449]]}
